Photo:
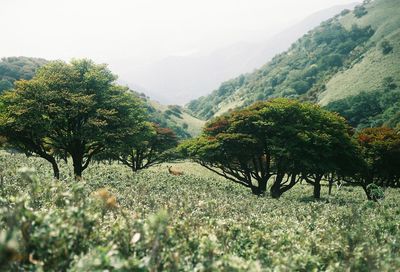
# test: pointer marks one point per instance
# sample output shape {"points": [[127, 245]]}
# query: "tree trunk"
{"points": [[53, 161], [275, 190], [260, 189], [330, 186], [367, 193], [78, 168], [317, 187], [262, 186], [56, 170], [317, 190], [255, 190]]}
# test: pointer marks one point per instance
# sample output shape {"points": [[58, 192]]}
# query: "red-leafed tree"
{"points": [[380, 150]]}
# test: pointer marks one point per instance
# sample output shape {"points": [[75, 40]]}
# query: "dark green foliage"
{"points": [[16, 68], [280, 138], [370, 109], [73, 110], [298, 73], [152, 145], [5, 85], [360, 11], [174, 110], [301, 86], [389, 84], [386, 47], [203, 107]]}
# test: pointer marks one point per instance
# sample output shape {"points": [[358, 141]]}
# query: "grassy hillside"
{"points": [[350, 53], [16, 68], [152, 221], [175, 117], [368, 74]]}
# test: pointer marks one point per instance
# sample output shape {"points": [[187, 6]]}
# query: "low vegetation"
{"points": [[96, 177], [154, 221]]}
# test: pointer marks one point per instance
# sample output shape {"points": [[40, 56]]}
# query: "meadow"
{"points": [[114, 220]]}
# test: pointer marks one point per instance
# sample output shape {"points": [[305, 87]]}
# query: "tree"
{"points": [[389, 83], [23, 123], [380, 150], [360, 11], [386, 47], [280, 138], [148, 148], [74, 109]]}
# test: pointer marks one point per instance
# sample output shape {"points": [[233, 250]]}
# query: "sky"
{"points": [[142, 31]]}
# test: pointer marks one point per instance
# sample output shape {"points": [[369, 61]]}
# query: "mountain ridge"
{"points": [[315, 68], [187, 77]]}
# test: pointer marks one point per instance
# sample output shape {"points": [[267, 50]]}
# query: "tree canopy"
{"points": [[151, 146], [69, 109], [280, 138], [380, 151]]}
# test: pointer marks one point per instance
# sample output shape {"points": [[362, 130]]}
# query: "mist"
{"points": [[132, 36]]}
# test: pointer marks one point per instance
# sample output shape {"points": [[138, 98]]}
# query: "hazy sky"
{"points": [[141, 30]]}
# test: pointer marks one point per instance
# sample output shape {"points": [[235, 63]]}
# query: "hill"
{"points": [[353, 52], [173, 116], [187, 77], [16, 68]]}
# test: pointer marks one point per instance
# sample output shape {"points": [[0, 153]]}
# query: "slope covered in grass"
{"points": [[368, 74], [350, 53], [153, 221], [176, 117]]}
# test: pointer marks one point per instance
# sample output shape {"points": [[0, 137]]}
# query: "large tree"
{"points": [[281, 138], [73, 109], [380, 151], [153, 145]]}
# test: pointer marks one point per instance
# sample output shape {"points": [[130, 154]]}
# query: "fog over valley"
{"points": [[173, 51]]}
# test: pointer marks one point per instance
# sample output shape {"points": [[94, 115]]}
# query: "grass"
{"points": [[364, 74], [194, 124], [368, 74], [194, 222]]}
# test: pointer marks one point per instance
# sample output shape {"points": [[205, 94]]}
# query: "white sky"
{"points": [[141, 30]]}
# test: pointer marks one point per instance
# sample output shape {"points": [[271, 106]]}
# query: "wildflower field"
{"points": [[113, 220]]}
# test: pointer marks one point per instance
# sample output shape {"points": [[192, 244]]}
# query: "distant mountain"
{"points": [[178, 79], [343, 59]]}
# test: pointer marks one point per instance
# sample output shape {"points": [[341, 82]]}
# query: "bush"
{"points": [[153, 221], [386, 47], [360, 11]]}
